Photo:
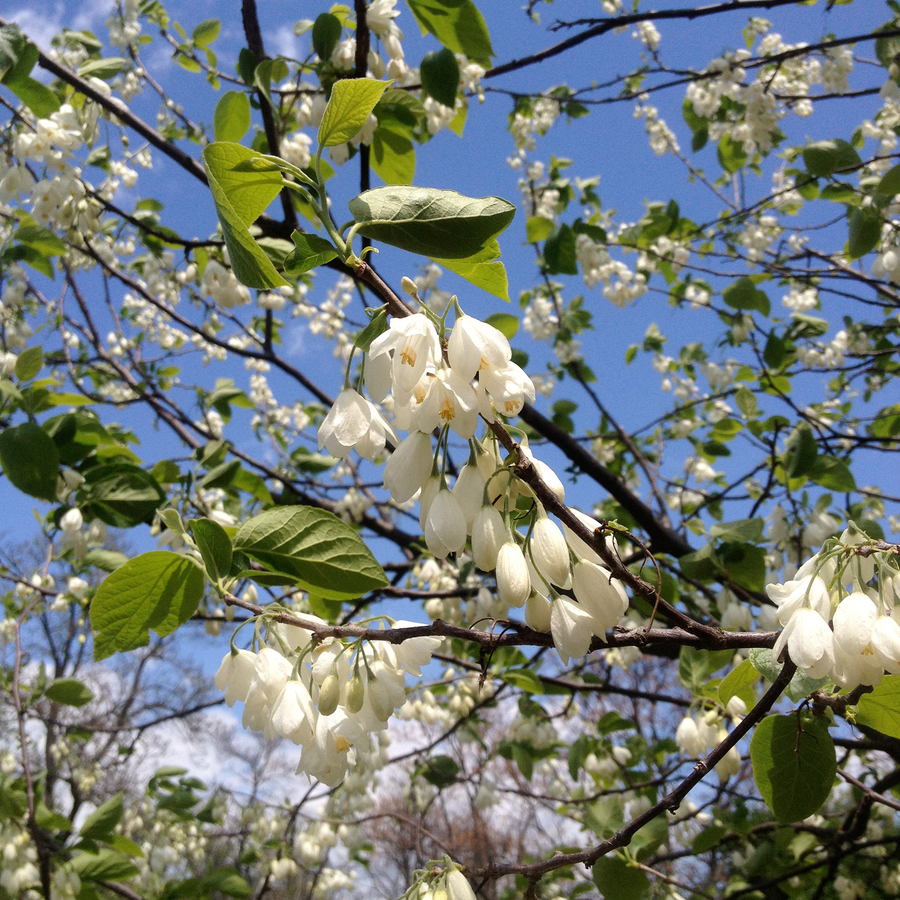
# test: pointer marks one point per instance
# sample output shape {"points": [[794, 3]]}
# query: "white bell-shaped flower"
{"points": [[513, 581], [409, 466], [507, 388], [579, 546], [537, 612], [488, 536], [474, 344], [550, 552], [688, 738], [469, 491], [450, 401], [600, 594], [886, 643], [853, 669], [457, 887], [293, 714], [347, 422], [809, 642], [413, 343], [571, 627], [445, 528], [853, 621], [810, 591], [234, 675]]}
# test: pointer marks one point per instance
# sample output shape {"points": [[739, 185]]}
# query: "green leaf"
{"points": [[616, 880], [46, 818], [435, 223], [801, 451], [231, 119], [505, 323], [749, 530], [559, 252], [69, 692], [30, 460], [881, 708], [157, 590], [206, 32], [323, 554], [696, 666], [29, 363], [441, 771], [825, 157], [41, 239], [744, 294], [105, 560], [890, 183], [739, 683], [352, 99], [708, 838], [393, 156], [439, 71], [228, 882], [100, 823], [17, 58], [457, 24], [865, 225], [326, 32], [483, 269], [794, 764], [104, 69], [214, 546], [525, 680], [309, 251], [266, 72], [833, 474], [377, 326], [648, 840], [107, 865], [537, 228], [241, 196], [732, 156], [121, 494]]}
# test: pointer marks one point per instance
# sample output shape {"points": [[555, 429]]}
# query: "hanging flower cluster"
{"points": [[841, 612], [442, 384], [328, 697]]}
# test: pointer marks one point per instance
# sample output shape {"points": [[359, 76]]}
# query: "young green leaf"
{"points": [[100, 823], [319, 551], [440, 76], [309, 251], [825, 157], [214, 546], [457, 24], [69, 692], [157, 590], [484, 270], [241, 196], [436, 223], [881, 708], [351, 102], [29, 363], [794, 764], [232, 116]]}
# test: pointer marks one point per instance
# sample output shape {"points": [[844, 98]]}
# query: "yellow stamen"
{"points": [[408, 356], [448, 411]]}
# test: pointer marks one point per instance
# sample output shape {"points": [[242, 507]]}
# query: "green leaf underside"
{"points": [[483, 270], [436, 223], [794, 764], [352, 99], [323, 554], [157, 590], [241, 197]]}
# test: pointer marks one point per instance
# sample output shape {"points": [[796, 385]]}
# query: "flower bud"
{"points": [[537, 612], [513, 581], [551, 552], [329, 694], [356, 695], [488, 536], [458, 887]]}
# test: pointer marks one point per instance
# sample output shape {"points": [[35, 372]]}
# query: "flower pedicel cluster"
{"points": [[439, 383], [841, 612]]}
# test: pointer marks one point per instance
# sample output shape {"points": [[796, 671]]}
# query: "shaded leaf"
{"points": [[30, 460]]}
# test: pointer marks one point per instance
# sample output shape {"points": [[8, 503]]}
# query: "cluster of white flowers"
{"points": [[621, 286], [841, 612], [662, 138], [698, 733], [309, 692]]}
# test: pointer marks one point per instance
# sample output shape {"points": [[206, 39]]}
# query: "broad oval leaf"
{"points": [[100, 823], [69, 692], [326, 32], [794, 764], [121, 494], [30, 460], [824, 157], [323, 554], [232, 116], [437, 223], [457, 24], [352, 99], [241, 196], [157, 590], [440, 76], [309, 251], [214, 546], [881, 708]]}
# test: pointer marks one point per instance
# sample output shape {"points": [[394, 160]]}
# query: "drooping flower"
{"points": [[550, 552], [450, 401], [469, 491], [809, 591], [409, 466], [513, 580], [572, 628], [507, 388], [488, 536], [293, 714], [599, 594], [445, 527], [809, 642], [353, 423], [234, 675], [474, 344], [414, 345]]}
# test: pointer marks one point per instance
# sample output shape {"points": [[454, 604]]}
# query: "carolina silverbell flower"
{"points": [[413, 342], [513, 580], [354, 423], [445, 528], [550, 552], [474, 344], [809, 642], [409, 466]]}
